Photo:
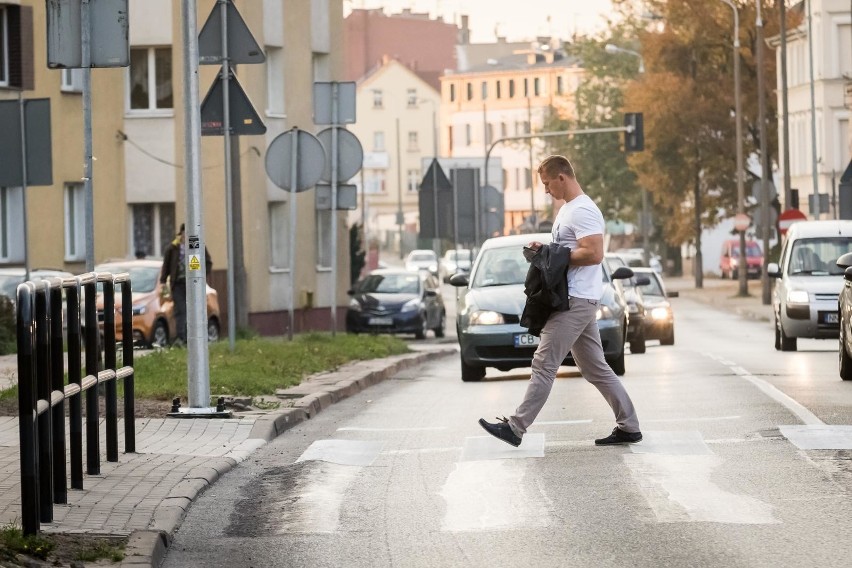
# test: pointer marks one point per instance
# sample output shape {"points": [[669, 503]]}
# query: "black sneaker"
{"points": [[501, 430], [619, 436]]}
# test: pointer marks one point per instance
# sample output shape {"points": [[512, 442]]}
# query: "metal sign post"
{"points": [[229, 190]]}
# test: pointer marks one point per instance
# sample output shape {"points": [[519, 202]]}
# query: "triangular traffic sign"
{"points": [[439, 176], [244, 119], [242, 47]]}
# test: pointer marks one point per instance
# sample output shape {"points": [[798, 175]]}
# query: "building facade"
{"points": [[138, 181]]}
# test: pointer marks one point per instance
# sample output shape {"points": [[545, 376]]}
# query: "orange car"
{"points": [[153, 315]]}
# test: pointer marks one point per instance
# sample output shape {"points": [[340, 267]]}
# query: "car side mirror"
{"points": [[431, 293], [642, 281], [845, 260], [622, 272], [773, 270], [350, 292], [459, 279], [847, 274], [674, 294]]}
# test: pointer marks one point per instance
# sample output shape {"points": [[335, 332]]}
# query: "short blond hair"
{"points": [[554, 165]]}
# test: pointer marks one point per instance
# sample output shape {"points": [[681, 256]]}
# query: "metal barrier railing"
{"points": [[42, 391]]}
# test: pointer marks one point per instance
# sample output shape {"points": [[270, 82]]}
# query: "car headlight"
{"points": [[139, 310], [433, 268], [486, 317], [734, 262], [661, 313], [354, 305], [411, 305], [604, 313], [797, 297]]}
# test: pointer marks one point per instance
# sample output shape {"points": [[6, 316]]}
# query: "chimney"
{"points": [[464, 31]]}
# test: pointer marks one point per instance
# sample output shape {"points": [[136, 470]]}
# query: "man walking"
{"points": [[174, 272], [579, 225]]}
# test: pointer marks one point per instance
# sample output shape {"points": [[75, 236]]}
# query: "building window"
{"points": [[537, 86], [374, 181], [484, 90], [151, 78], [11, 224], [452, 92], [526, 87], [154, 227], [504, 130], [378, 141], [467, 135], [489, 133], [560, 88], [470, 91], [324, 239], [275, 81], [378, 101], [413, 146], [75, 222], [411, 95], [279, 245], [4, 47], [511, 88], [72, 81], [498, 94], [450, 138], [413, 177]]}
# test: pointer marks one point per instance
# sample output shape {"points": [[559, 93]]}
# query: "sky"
{"points": [[517, 20]]}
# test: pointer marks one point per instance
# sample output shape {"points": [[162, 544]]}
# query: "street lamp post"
{"points": [[436, 242], [741, 273], [764, 160], [611, 48]]}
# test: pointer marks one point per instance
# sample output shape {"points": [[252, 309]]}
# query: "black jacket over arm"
{"points": [[546, 286]]}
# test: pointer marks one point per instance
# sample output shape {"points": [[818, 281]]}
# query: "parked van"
{"points": [[808, 281], [729, 261]]}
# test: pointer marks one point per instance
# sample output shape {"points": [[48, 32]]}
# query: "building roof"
{"points": [[521, 61]]}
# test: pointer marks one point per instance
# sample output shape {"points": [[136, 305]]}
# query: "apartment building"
{"points": [[138, 143], [507, 97], [832, 70]]}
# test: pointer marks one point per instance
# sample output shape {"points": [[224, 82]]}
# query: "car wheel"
{"points": [[421, 333], [845, 359], [442, 322], [212, 330], [669, 338], [160, 337], [777, 335], [786, 343], [471, 373], [638, 343]]}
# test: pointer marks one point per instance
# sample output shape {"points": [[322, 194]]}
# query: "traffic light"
{"points": [[634, 138]]}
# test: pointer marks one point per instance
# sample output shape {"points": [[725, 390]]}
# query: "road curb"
{"points": [[149, 547]]}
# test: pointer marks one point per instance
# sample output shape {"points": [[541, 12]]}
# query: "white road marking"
{"points": [[699, 419], [561, 422], [688, 443], [478, 448], [819, 436], [359, 429], [679, 489], [313, 504], [492, 495], [343, 452]]}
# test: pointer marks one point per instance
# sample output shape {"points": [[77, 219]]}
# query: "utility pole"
{"points": [[814, 162], [785, 131], [533, 216], [399, 216], [764, 160]]}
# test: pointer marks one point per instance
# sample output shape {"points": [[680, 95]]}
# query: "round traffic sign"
{"points": [[310, 160], [350, 154], [741, 221], [789, 217]]}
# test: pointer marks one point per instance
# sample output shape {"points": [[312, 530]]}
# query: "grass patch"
{"points": [[259, 366], [13, 540], [56, 548], [9, 394]]}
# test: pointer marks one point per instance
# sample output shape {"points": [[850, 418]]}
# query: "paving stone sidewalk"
{"points": [[145, 495]]}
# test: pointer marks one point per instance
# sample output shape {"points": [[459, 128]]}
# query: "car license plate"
{"points": [[380, 321], [526, 340], [830, 317]]}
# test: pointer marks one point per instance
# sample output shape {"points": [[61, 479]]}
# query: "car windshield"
{"points": [[501, 267], [653, 287], [751, 250], [390, 284], [818, 257], [422, 257], [142, 278], [458, 254], [9, 284]]}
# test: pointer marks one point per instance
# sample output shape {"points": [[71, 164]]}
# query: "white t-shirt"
{"points": [[580, 218]]}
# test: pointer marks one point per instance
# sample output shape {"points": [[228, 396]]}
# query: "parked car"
{"points": [[397, 301], [422, 259], [11, 277], [630, 289], [455, 260], [153, 315], [659, 318], [844, 307], [809, 281], [730, 261], [490, 307], [636, 257]]}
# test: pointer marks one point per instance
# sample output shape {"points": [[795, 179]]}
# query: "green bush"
{"points": [[8, 342]]}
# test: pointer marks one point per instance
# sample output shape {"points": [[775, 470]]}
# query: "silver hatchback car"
{"points": [[808, 281]]}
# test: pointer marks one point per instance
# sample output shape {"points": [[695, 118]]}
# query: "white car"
{"points": [[808, 282], [422, 259], [455, 260]]}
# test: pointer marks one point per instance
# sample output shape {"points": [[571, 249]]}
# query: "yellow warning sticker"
{"points": [[194, 262]]}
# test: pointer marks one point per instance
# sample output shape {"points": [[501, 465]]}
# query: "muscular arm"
{"points": [[589, 251]]}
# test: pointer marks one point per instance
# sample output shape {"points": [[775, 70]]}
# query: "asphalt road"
{"points": [[401, 474]]}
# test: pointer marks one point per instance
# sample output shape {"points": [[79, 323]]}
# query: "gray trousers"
{"points": [[574, 330]]}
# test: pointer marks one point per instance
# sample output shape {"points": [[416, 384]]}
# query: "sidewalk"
{"points": [[145, 495], [723, 294]]}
